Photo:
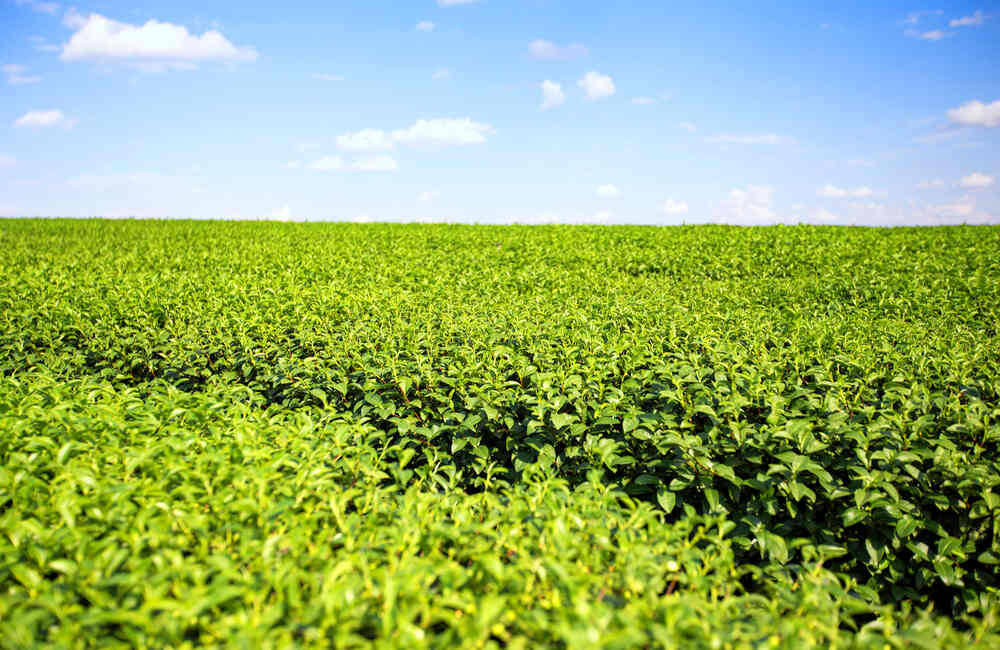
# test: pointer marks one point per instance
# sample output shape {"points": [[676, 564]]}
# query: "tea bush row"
{"points": [[818, 407]]}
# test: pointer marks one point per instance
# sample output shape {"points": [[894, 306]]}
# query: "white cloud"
{"points": [[824, 216], [376, 164], [751, 204], [293, 164], [542, 49], [365, 140], [934, 183], [939, 136], [74, 19], [161, 66], [327, 77], [47, 118], [453, 3], [596, 85], [7, 160], [876, 213], [425, 26], [673, 207], [643, 101], [600, 217], [50, 8], [329, 164], [551, 217], [608, 192], [436, 132], [535, 219], [116, 181], [100, 38], [829, 191], [338, 164], [428, 196], [976, 113], [441, 132], [552, 94], [688, 126], [763, 138], [282, 214], [441, 73], [960, 208], [41, 45], [977, 18], [15, 75], [933, 35], [977, 180]]}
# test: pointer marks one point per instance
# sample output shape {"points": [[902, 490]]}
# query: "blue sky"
{"points": [[502, 111]]}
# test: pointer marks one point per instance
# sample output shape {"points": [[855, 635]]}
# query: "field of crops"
{"points": [[331, 435]]}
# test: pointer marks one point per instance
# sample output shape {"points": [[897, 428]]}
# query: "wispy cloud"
{"points": [[116, 181], [643, 101], [7, 160], [960, 208], [455, 3], [338, 164], [824, 216], [829, 191], [42, 45], [915, 17], [51, 8], [673, 207], [552, 94], [938, 34], [425, 26], [751, 204], [16, 75], [933, 35], [440, 74], [761, 138], [43, 119], [977, 18], [283, 213], [690, 127], [542, 49], [943, 134], [542, 218], [977, 180]]}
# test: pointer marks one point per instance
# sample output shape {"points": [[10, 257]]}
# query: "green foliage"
{"points": [[321, 434]]}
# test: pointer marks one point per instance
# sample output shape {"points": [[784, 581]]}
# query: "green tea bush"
{"points": [[334, 435]]}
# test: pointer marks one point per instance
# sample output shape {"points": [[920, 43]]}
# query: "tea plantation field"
{"points": [[254, 435]]}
